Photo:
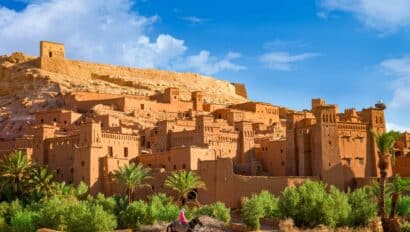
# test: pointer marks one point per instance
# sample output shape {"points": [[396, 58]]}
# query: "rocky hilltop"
{"points": [[29, 84]]}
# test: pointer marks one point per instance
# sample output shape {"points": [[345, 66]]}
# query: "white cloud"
{"points": [[108, 31], [400, 69], [382, 15], [396, 127], [208, 65], [284, 61], [194, 19]]}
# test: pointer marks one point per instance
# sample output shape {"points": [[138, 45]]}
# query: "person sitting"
{"points": [[182, 218]]}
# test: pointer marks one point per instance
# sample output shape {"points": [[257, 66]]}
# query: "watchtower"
{"points": [[51, 50], [197, 100]]}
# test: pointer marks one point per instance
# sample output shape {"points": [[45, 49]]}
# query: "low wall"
{"points": [[225, 186]]}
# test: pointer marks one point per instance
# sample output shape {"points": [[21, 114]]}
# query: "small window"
{"points": [[42, 121], [50, 54], [110, 152], [55, 120], [125, 151], [82, 163], [281, 150], [175, 167], [142, 106], [183, 166]]}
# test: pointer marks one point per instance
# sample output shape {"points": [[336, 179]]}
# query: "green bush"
{"points": [[23, 221], [217, 210], [262, 205], [162, 208], [270, 203], [52, 213], [85, 217], [136, 214], [108, 203], [310, 205], [252, 211], [363, 207], [338, 207]]}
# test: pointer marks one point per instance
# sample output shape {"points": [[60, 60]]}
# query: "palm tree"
{"points": [[132, 177], [385, 143], [395, 189], [14, 173], [41, 181], [183, 182]]}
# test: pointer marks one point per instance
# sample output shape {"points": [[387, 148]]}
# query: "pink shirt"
{"points": [[182, 218]]}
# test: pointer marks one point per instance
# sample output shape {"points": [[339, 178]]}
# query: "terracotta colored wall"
{"points": [[402, 166], [272, 155], [223, 185]]}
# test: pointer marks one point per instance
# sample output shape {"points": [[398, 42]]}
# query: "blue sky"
{"points": [[350, 52]]}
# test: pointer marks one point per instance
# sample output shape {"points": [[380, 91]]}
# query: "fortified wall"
{"points": [[52, 59]]}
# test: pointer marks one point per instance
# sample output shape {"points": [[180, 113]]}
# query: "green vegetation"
{"points": [[183, 183], [310, 205], [385, 143], [262, 205], [363, 207], [31, 199], [217, 210], [132, 176]]}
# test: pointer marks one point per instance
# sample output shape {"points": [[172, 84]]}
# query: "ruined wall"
{"points": [[215, 91], [240, 89], [51, 50]]}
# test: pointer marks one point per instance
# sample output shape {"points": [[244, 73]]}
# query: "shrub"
{"points": [[84, 217], [217, 210], [108, 203], [162, 208], [270, 203], [52, 213], [403, 206], [338, 208], [23, 221], [252, 212], [136, 214], [310, 205], [363, 208], [259, 206]]}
